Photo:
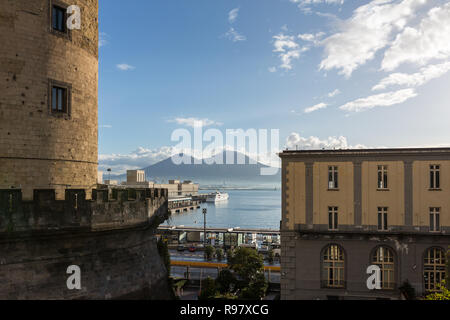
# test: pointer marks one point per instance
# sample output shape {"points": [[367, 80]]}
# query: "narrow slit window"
{"points": [[59, 99], [435, 177], [333, 218], [434, 219], [333, 177], [382, 177], [382, 218], [58, 19]]}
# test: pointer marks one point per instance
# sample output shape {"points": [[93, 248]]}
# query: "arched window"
{"points": [[333, 264], [384, 258], [433, 268]]}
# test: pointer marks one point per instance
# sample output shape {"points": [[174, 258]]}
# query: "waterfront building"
{"points": [[175, 188], [344, 210]]}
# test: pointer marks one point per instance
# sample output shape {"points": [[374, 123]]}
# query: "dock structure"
{"points": [[221, 230], [178, 205], [201, 197], [232, 237]]}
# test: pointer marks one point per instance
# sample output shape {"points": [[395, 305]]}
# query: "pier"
{"points": [[178, 205], [221, 237]]}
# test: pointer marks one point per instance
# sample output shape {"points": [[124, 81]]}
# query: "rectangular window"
{"points": [[382, 219], [59, 18], [332, 218], [434, 219], [382, 177], [435, 176], [333, 177], [59, 99]]}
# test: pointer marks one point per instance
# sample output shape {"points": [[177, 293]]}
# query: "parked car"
{"points": [[181, 248], [192, 249]]}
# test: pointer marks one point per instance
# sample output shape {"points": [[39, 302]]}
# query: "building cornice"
{"points": [[353, 155]]}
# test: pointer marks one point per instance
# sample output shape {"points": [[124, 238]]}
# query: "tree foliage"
{"points": [[247, 263], [226, 281], [209, 252], [219, 254], [270, 256], [256, 289], [244, 279], [209, 289], [442, 294], [163, 251]]}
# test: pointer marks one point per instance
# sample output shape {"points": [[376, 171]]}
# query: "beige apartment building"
{"points": [[175, 188], [344, 210]]}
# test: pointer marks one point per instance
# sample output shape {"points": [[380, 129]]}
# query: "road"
{"points": [[202, 273]]}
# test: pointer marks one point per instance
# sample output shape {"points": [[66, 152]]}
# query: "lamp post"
{"points": [[204, 227]]}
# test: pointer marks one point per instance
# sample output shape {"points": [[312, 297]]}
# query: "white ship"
{"points": [[217, 197]]}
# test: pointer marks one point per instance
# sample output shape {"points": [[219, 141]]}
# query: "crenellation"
{"points": [[45, 212], [52, 212]]}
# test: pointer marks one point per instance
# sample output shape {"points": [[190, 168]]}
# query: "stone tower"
{"points": [[48, 97]]}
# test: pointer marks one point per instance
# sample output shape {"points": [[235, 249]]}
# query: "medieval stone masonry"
{"points": [[52, 212], [40, 148]]}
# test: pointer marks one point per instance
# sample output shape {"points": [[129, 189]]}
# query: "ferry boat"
{"points": [[217, 197]]}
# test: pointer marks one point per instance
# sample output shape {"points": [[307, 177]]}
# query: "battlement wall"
{"points": [[108, 209], [111, 238]]}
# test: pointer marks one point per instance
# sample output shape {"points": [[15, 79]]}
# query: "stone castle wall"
{"points": [[111, 238], [40, 149]]}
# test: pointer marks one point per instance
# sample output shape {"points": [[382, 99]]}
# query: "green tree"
{"points": [[225, 281], [247, 263], [256, 289], [442, 294], [208, 290], [163, 251], [270, 256], [209, 252], [229, 254], [249, 267], [448, 268], [219, 254]]}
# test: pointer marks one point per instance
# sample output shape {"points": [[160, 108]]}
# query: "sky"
{"points": [[325, 73]]}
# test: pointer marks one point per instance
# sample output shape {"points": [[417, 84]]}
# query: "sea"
{"points": [[246, 209]]}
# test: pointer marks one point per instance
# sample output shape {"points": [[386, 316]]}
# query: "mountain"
{"points": [[213, 174]]}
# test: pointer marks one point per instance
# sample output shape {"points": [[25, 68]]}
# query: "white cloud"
{"points": [[368, 30], [102, 39], [310, 37], [288, 50], [272, 69], [138, 159], [310, 2], [379, 100], [125, 67], [334, 93], [428, 41], [195, 122], [316, 107], [235, 36], [232, 15], [296, 141], [417, 79]]}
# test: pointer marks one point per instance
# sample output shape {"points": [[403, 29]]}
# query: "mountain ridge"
{"points": [[249, 172]]}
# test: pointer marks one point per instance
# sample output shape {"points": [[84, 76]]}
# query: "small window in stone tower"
{"points": [[58, 19], [59, 100]]}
